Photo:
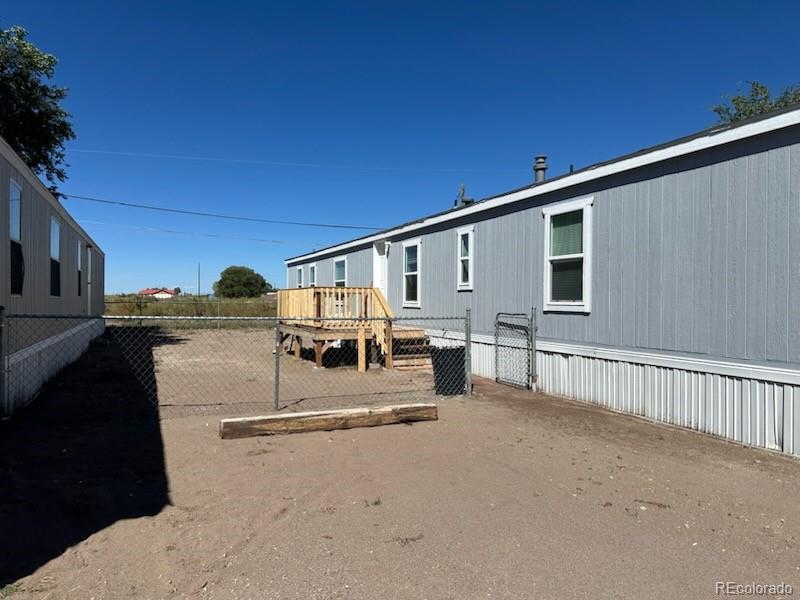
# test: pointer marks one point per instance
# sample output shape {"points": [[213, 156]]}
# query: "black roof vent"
{"points": [[461, 199]]}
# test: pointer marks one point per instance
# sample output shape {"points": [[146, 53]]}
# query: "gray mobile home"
{"points": [[50, 267], [666, 282]]}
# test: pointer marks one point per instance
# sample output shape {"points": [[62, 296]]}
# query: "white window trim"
{"points": [[312, 268], [585, 306], [339, 259], [299, 277], [407, 244], [460, 285]]}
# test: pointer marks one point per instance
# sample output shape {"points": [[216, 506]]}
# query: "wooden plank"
{"points": [[326, 420], [389, 345], [298, 347], [313, 333], [362, 350], [318, 352]]}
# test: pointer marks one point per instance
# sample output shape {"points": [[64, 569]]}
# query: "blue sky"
{"points": [[427, 95]]}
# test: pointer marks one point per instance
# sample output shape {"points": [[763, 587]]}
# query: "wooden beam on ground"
{"points": [[362, 350], [326, 420]]}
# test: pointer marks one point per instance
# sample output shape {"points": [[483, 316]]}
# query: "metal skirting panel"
{"points": [[750, 411], [29, 369]]}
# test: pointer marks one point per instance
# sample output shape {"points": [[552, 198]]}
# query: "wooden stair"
{"points": [[412, 354]]}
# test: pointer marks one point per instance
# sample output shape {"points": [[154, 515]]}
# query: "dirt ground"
{"points": [[231, 372], [509, 495]]}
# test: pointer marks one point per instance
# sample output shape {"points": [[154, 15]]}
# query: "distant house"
{"points": [[158, 293], [51, 268]]}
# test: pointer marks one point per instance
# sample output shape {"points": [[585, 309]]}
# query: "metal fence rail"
{"points": [[243, 364]]}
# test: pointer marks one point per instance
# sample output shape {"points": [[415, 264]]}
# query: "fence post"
{"points": [[4, 407], [468, 351], [277, 392], [533, 329]]}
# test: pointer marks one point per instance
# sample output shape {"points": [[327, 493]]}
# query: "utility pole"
{"points": [[198, 280]]}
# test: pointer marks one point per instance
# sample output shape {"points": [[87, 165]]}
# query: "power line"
{"points": [[278, 163], [215, 215], [192, 233]]}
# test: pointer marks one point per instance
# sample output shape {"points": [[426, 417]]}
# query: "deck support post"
{"points": [[389, 345], [318, 351], [362, 350], [298, 348]]}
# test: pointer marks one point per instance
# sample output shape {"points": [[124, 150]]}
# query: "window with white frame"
{"points": [[411, 271], [79, 263], [567, 256], [17, 266], [465, 261], [312, 275], [55, 256], [340, 272], [299, 276]]}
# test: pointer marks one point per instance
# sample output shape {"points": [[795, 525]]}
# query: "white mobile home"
{"points": [[666, 281], [50, 267]]}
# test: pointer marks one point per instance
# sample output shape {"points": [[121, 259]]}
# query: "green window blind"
{"points": [[566, 233], [566, 283]]}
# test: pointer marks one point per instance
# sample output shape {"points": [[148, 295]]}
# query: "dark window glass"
{"points": [[567, 281], [17, 268], [55, 277], [411, 288]]}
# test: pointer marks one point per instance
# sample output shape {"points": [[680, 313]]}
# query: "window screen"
{"points": [[566, 248], [411, 274], [17, 260], [55, 257], [340, 273]]}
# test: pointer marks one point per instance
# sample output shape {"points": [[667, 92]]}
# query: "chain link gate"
{"points": [[514, 349]]}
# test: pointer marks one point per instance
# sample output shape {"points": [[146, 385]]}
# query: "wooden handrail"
{"points": [[381, 330]]}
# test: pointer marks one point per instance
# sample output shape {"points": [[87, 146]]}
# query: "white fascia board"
{"points": [[626, 164]]}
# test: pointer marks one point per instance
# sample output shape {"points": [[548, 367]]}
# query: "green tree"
{"points": [[32, 120], [240, 282], [755, 102]]}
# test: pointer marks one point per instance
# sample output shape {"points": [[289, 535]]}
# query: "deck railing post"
{"points": [[277, 387], [4, 404], [468, 351]]}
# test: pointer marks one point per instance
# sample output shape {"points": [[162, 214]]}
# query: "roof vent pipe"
{"points": [[539, 168]]}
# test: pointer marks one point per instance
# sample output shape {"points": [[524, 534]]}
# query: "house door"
{"points": [[380, 267]]}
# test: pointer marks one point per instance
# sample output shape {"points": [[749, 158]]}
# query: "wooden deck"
{"points": [[320, 316]]}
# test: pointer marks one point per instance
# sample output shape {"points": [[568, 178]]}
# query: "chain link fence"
{"points": [[514, 349], [245, 365]]}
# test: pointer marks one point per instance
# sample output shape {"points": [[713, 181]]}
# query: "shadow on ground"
{"points": [[87, 453]]}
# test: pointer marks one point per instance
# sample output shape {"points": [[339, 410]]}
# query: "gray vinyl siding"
{"points": [[698, 255], [359, 269], [37, 208]]}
